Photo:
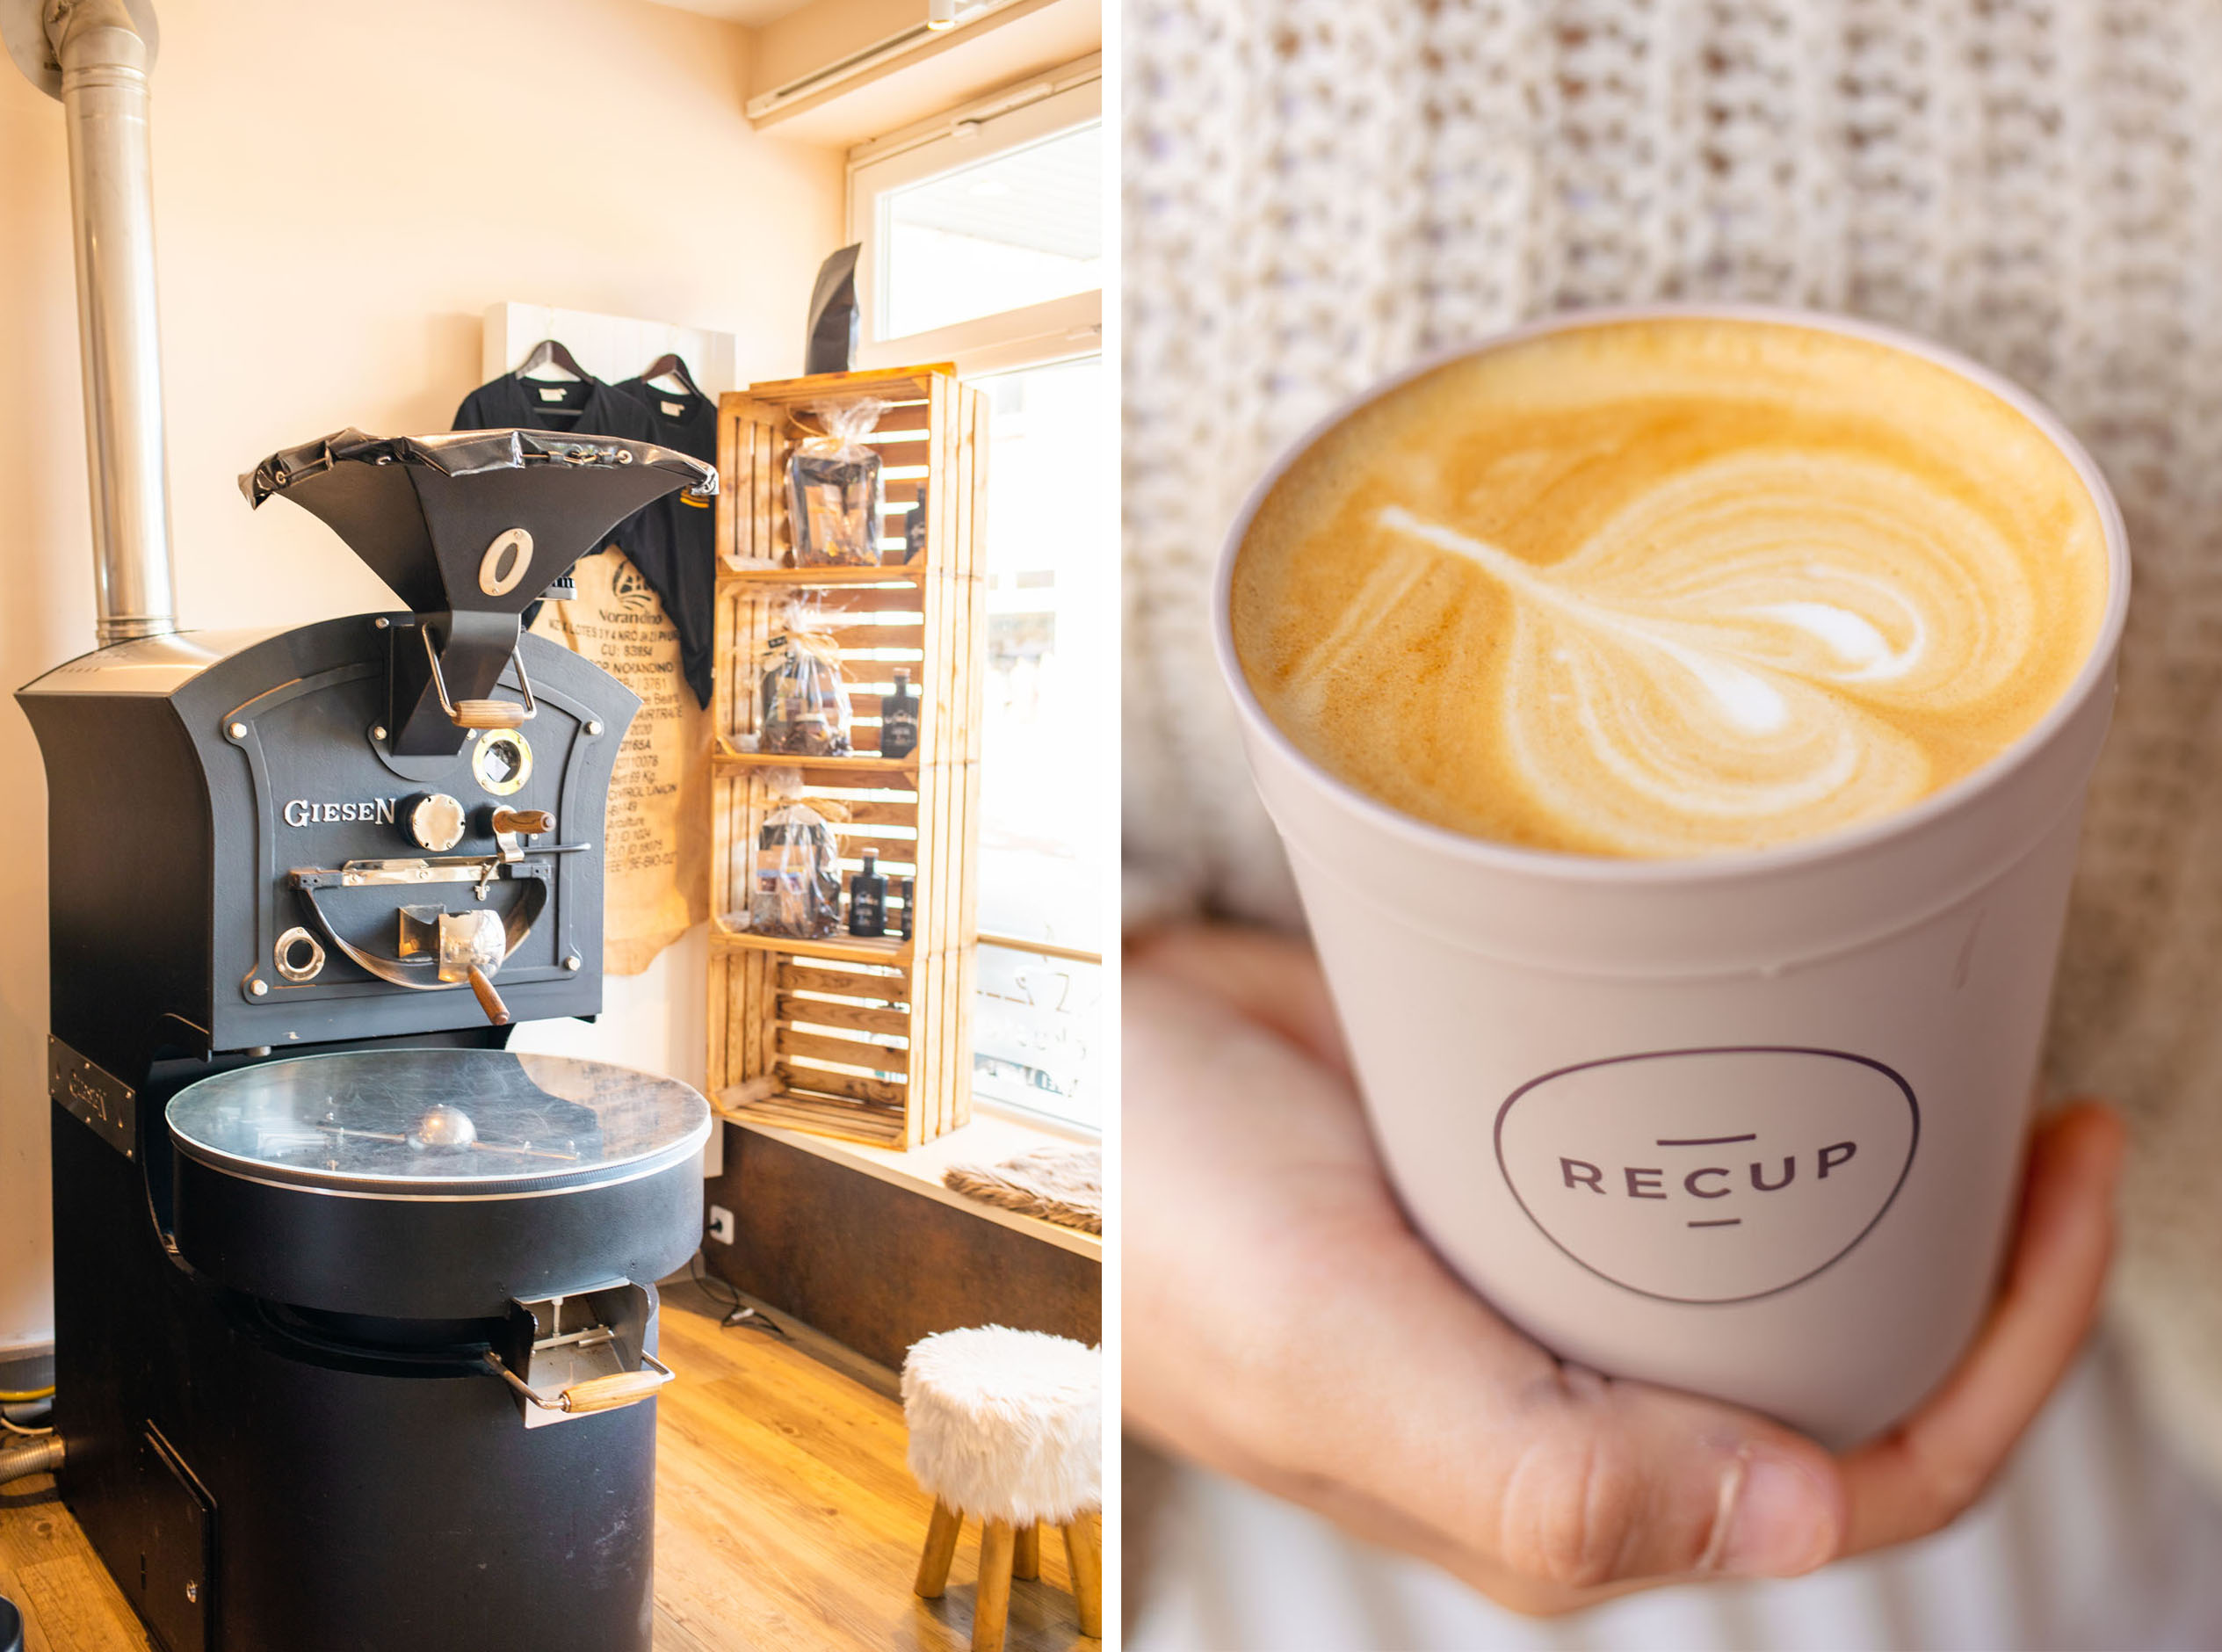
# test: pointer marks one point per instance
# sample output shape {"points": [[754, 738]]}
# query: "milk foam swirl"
{"points": [[1669, 586], [1727, 658]]}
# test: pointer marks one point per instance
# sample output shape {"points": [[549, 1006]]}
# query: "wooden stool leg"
{"points": [[941, 1548], [991, 1604], [1085, 1555], [1025, 1554]]}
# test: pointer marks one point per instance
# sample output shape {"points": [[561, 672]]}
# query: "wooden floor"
{"points": [[785, 1519]]}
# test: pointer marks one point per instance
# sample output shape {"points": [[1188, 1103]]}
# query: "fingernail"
{"points": [[1782, 1524]]}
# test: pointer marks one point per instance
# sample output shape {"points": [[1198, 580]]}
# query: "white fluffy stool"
{"points": [[1006, 1426]]}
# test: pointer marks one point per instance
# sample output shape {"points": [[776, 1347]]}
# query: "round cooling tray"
{"points": [[440, 1122], [434, 1184]]}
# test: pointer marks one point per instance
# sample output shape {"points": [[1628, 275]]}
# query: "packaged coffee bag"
{"points": [[834, 490], [802, 705], [795, 889], [794, 875]]}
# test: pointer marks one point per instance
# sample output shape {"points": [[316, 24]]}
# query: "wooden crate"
{"points": [[868, 1039]]}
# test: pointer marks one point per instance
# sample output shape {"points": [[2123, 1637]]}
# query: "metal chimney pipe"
{"points": [[102, 50]]}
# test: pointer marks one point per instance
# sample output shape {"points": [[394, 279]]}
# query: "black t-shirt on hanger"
{"points": [[687, 422], [652, 537], [570, 406]]}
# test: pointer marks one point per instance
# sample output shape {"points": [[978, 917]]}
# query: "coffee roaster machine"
{"points": [[355, 1312], [327, 1257]]}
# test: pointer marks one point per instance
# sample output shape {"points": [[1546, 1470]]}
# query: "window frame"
{"points": [[1052, 951], [1066, 329], [1036, 335]]}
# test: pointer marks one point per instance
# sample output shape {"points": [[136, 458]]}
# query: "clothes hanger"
{"points": [[551, 353], [671, 365]]}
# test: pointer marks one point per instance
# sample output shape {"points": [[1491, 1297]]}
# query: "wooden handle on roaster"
{"points": [[488, 713], [606, 1393], [488, 1000], [530, 822]]}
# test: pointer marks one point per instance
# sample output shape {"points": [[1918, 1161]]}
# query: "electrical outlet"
{"points": [[719, 1226]]}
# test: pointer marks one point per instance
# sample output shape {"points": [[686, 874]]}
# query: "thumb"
{"points": [[1615, 1482]]}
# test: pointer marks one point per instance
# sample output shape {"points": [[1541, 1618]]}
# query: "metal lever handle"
{"points": [[482, 714], [595, 1394], [522, 916]]}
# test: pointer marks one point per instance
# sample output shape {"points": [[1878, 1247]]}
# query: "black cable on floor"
{"points": [[737, 1312]]}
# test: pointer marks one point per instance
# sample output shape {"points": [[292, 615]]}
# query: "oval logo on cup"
{"points": [[1709, 1175]]}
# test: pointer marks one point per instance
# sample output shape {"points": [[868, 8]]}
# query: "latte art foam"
{"points": [[1660, 588]]}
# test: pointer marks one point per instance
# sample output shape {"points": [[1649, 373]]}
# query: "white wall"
{"points": [[340, 192]]}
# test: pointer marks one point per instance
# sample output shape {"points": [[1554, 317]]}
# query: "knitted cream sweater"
{"points": [[1318, 191]]}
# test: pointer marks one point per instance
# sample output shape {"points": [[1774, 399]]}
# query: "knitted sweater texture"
{"points": [[1318, 192]]}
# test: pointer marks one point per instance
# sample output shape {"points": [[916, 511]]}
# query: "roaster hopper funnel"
{"points": [[469, 529]]}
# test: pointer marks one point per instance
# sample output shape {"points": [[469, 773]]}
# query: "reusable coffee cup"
{"points": [[1749, 1125]]}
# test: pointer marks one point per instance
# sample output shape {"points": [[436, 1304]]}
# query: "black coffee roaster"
{"points": [[355, 1312]]}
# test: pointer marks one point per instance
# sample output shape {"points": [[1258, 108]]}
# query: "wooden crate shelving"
{"points": [[865, 1039]]}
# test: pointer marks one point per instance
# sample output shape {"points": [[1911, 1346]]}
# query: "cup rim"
{"points": [[1718, 865]]}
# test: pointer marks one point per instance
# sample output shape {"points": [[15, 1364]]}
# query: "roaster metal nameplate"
{"points": [[94, 1096]]}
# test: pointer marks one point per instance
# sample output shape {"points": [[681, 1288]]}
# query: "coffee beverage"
{"points": [[1651, 590], [1669, 586]]}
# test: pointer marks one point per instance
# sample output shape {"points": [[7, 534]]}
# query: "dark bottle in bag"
{"points": [[899, 720], [914, 531], [868, 899]]}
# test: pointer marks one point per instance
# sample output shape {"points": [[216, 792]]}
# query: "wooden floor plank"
{"points": [[48, 1568], [785, 1521]]}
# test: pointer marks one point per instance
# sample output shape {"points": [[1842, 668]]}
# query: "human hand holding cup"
{"points": [[1288, 1327]]}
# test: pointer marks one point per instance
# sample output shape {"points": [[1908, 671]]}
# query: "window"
{"points": [[983, 244], [1015, 230], [982, 231], [1045, 849]]}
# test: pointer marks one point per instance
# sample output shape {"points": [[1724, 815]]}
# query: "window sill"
{"points": [[1055, 329], [989, 1139]]}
